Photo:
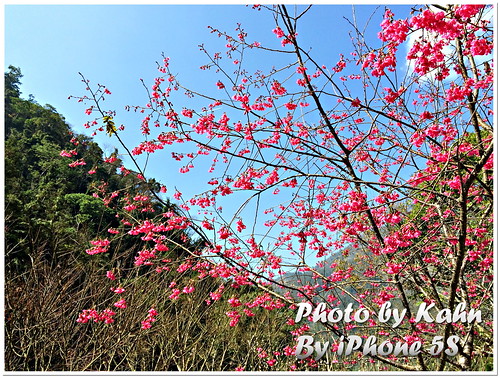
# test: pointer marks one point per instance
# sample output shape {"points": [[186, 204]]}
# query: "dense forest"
{"points": [[52, 212]]}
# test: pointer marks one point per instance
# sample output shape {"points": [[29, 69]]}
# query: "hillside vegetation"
{"points": [[51, 215]]}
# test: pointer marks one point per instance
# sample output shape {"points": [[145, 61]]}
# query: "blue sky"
{"points": [[116, 45]]}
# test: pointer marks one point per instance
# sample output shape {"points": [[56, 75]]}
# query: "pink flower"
{"points": [[152, 312], [481, 47], [111, 159], [457, 93], [279, 32], [277, 88], [146, 324], [417, 139], [87, 315], [234, 302], [175, 294], [301, 70], [394, 32], [77, 163], [248, 312], [107, 316], [121, 303], [66, 154], [187, 113], [393, 268], [100, 246], [188, 289], [100, 243], [224, 233], [118, 290], [234, 316], [110, 275], [355, 103], [207, 225], [240, 225], [455, 183], [92, 315], [468, 10]]}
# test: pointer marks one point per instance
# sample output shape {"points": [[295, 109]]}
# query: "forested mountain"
{"points": [[42, 192], [51, 215], [49, 204]]}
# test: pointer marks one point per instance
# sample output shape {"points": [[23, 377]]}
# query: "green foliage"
{"points": [[36, 177], [86, 209], [47, 203]]}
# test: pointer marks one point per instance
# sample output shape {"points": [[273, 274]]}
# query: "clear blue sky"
{"points": [[116, 45]]}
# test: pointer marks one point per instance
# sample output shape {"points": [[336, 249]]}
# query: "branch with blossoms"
{"points": [[351, 184]]}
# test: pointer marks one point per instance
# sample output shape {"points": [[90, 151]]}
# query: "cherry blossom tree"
{"points": [[360, 181]]}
